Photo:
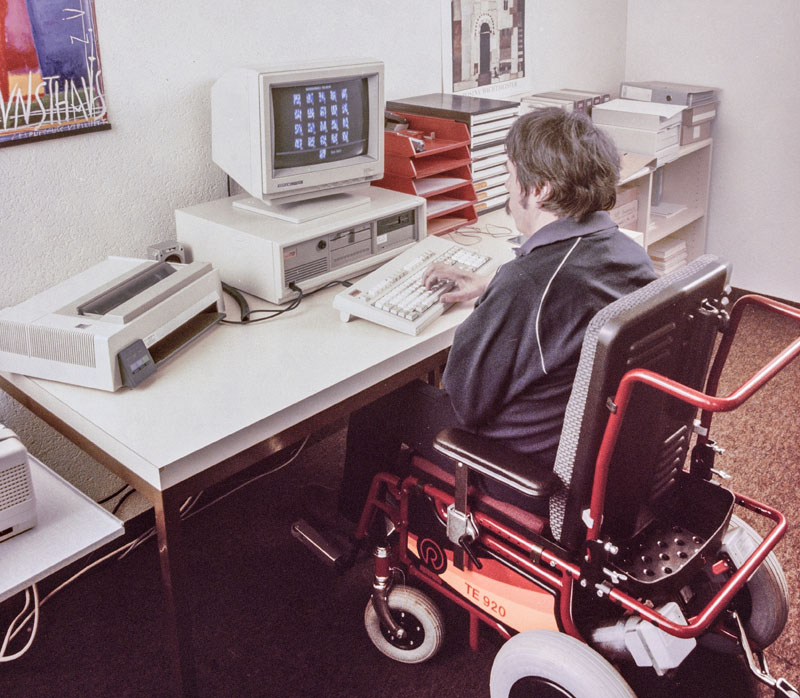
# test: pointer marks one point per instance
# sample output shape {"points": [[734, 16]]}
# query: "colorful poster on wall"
{"points": [[483, 46], [50, 77]]}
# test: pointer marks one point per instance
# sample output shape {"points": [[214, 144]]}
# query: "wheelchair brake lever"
{"points": [[465, 543], [462, 531]]}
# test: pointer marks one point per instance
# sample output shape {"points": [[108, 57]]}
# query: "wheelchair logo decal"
{"points": [[432, 555]]}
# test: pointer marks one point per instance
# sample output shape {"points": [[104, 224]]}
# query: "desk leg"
{"points": [[173, 577]]}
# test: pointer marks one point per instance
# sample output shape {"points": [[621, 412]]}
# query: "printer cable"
{"points": [[247, 312], [241, 301]]}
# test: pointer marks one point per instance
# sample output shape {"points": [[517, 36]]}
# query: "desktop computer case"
{"points": [[262, 255]]}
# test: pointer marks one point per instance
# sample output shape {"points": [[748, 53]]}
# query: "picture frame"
{"points": [[51, 81], [483, 46]]}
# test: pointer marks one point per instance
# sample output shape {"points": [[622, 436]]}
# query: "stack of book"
{"points": [[668, 255], [488, 121], [700, 102], [592, 97], [650, 128], [565, 98]]}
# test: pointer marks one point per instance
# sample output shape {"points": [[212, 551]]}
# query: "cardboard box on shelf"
{"points": [[693, 134], [626, 215], [692, 116]]}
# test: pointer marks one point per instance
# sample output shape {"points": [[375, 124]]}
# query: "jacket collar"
{"points": [[564, 229]]}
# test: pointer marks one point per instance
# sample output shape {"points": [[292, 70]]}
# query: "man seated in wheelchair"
{"points": [[510, 370], [535, 523]]}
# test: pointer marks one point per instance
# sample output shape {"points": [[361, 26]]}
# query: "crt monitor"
{"points": [[297, 137]]}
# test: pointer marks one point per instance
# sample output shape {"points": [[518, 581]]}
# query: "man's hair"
{"points": [[566, 151]]}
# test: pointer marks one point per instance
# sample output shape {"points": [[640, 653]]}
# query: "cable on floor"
{"points": [[186, 511]]}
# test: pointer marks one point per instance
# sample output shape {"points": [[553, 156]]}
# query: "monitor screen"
{"points": [[319, 122], [296, 132]]}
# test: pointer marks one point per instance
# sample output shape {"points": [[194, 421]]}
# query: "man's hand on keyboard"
{"points": [[468, 285]]}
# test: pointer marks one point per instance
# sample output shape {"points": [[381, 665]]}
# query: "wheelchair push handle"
{"points": [[767, 371], [708, 401]]}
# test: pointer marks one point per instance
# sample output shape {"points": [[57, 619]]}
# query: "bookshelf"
{"points": [[678, 187]]}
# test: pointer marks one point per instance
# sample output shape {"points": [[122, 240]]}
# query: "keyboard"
{"points": [[393, 294]]}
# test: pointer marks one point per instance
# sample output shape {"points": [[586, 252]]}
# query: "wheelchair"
{"points": [[644, 553]]}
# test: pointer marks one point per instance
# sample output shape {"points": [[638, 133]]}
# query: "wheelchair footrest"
{"points": [[330, 548], [662, 553], [673, 546]]}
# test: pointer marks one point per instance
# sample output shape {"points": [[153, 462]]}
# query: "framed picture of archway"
{"points": [[483, 45]]}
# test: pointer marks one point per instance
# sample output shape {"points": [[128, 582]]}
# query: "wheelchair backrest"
{"points": [[670, 327]]}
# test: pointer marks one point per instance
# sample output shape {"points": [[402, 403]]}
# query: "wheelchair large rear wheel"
{"points": [[549, 664], [763, 604], [418, 616]]}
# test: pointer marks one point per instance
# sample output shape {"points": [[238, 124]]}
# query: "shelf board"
{"points": [[661, 228], [443, 206], [687, 150], [438, 185], [419, 168], [69, 525], [447, 224]]}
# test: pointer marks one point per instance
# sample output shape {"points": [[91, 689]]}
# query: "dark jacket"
{"points": [[513, 360]]}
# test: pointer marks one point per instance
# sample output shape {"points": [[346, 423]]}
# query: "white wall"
{"points": [[68, 203], [749, 50], [576, 44]]}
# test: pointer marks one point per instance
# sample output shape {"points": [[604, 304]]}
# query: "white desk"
{"points": [[230, 399]]}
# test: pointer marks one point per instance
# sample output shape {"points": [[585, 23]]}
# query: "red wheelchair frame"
{"points": [[556, 573]]}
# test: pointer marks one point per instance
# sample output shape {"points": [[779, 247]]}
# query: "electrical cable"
{"points": [[504, 230], [111, 496], [78, 574], [244, 307], [280, 310], [150, 532], [474, 233], [121, 500], [253, 479], [186, 511], [11, 633]]}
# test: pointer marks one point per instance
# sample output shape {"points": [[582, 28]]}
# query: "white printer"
{"points": [[112, 324], [17, 501]]}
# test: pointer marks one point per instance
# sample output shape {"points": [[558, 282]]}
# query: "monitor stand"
{"points": [[304, 210]]}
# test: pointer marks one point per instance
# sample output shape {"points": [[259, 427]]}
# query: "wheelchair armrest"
{"points": [[491, 458]]}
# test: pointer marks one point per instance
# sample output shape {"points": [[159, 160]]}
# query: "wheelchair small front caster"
{"points": [[419, 619], [402, 622]]}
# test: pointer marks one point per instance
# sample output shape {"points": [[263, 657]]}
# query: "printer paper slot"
{"points": [[185, 334], [113, 298]]}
